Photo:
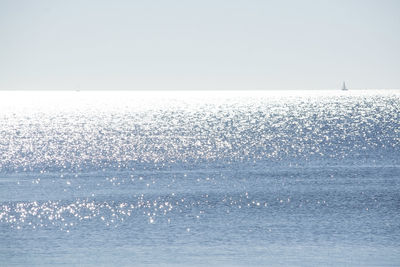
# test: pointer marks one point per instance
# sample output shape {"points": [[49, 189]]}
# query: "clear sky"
{"points": [[207, 44]]}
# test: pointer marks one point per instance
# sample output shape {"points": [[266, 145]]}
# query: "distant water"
{"points": [[295, 178]]}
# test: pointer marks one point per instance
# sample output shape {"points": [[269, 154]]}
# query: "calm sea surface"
{"points": [[294, 178]]}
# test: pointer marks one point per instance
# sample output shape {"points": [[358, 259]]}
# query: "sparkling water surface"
{"points": [[294, 178]]}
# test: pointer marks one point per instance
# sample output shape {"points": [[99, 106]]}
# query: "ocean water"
{"points": [[294, 178]]}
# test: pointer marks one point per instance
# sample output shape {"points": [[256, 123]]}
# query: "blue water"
{"points": [[294, 178]]}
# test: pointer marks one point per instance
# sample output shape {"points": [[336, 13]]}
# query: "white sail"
{"points": [[344, 88]]}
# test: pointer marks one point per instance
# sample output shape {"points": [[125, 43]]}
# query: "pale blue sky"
{"points": [[170, 44]]}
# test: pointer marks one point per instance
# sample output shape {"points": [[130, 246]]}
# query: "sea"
{"points": [[200, 178]]}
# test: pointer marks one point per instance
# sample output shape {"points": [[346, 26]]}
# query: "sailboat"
{"points": [[344, 88]]}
